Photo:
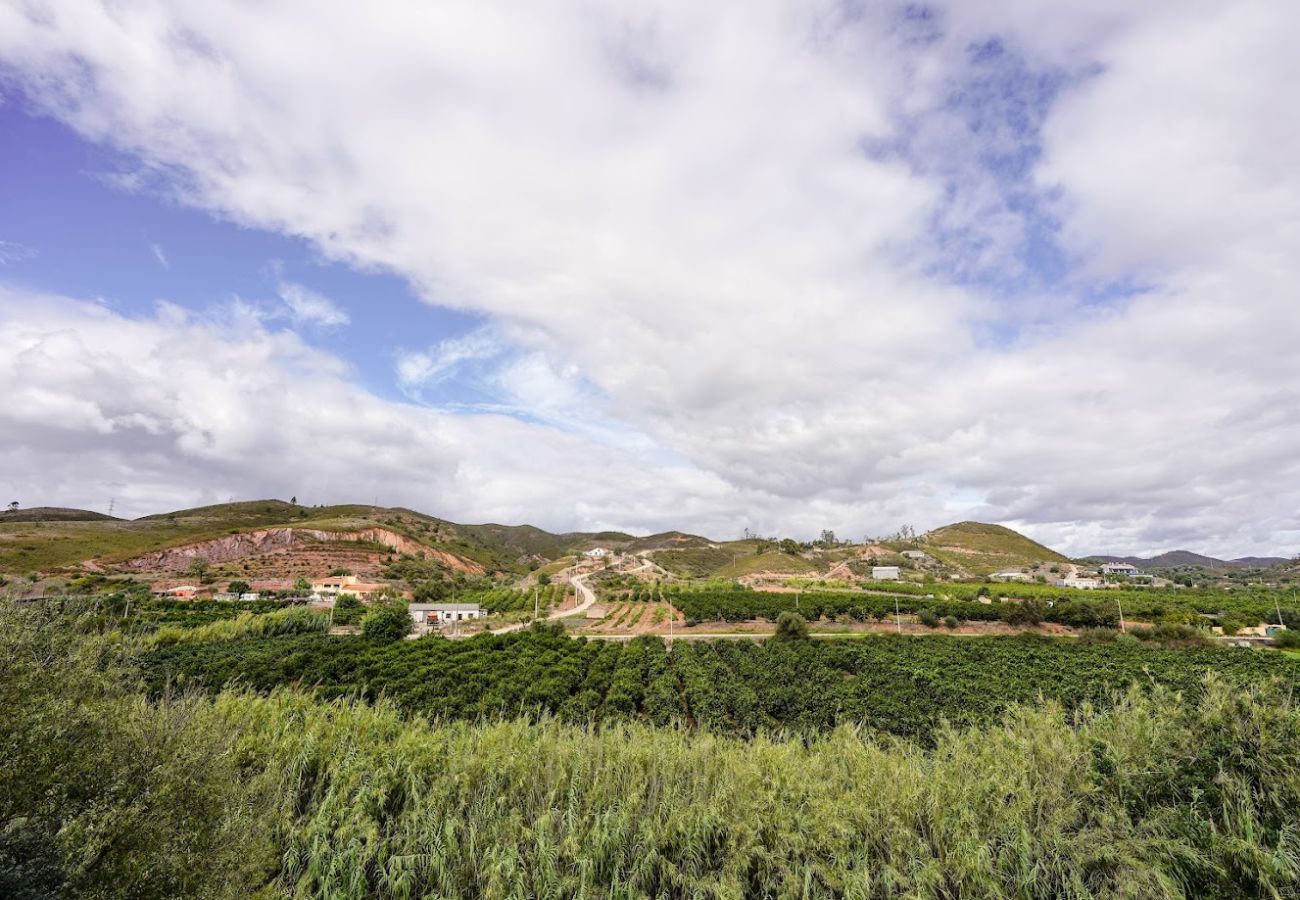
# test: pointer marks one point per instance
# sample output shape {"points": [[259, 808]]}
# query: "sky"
{"points": [[767, 265]]}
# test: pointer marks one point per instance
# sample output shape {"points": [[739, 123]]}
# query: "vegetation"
{"points": [[900, 684], [982, 548], [386, 623], [1155, 795], [348, 610], [790, 626], [1066, 606], [293, 620]]}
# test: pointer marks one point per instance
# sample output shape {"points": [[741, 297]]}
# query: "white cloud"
{"points": [[158, 254], [12, 252], [718, 231], [310, 307]]}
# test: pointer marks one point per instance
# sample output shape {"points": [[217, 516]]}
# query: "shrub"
{"points": [[387, 624], [238, 587], [348, 610], [1287, 640], [950, 622], [790, 626], [928, 618]]}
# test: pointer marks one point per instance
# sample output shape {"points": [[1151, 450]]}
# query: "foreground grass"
{"points": [[239, 795]]}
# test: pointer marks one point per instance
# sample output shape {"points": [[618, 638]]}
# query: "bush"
{"points": [[238, 587], [790, 626], [387, 624], [1287, 640], [928, 618], [950, 622], [348, 610]]}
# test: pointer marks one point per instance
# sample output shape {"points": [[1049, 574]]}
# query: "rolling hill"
{"points": [[982, 549], [258, 537], [1186, 558], [54, 514]]}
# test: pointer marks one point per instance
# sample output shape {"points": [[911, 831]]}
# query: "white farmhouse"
{"points": [[596, 553], [914, 554], [427, 614], [1010, 575], [1119, 568], [884, 573]]}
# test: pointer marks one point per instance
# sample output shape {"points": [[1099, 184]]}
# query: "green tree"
{"points": [[432, 591], [386, 624], [301, 585], [238, 587], [790, 626], [198, 567], [543, 579], [348, 610]]}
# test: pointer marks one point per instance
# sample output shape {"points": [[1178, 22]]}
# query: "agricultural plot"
{"points": [[1065, 606], [899, 685]]}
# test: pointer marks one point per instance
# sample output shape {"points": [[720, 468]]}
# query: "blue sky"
{"points": [[78, 232], [782, 265]]}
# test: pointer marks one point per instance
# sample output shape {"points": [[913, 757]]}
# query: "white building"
{"points": [[427, 614], [596, 553], [250, 596], [1119, 568], [914, 554], [1072, 581], [884, 573]]}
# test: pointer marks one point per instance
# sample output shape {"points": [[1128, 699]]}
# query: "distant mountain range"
{"points": [[1177, 558]]}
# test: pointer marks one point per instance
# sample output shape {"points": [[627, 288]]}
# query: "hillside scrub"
{"points": [[239, 795]]}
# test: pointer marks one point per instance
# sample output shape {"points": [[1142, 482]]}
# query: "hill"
{"points": [[982, 549], [48, 545], [1175, 559], [54, 514]]}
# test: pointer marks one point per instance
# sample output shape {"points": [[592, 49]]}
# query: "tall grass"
{"points": [[294, 620], [1148, 799]]}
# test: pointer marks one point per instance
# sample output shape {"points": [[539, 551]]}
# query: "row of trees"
{"points": [[900, 684]]}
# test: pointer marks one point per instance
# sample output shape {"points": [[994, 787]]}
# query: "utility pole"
{"points": [[536, 603], [1120, 604], [112, 501], [898, 616]]}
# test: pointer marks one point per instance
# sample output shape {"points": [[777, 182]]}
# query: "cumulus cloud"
{"points": [[796, 249]]}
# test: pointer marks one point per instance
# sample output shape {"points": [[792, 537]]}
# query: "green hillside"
{"points": [[982, 549]]}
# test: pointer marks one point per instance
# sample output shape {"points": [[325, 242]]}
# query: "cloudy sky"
{"points": [[777, 265]]}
